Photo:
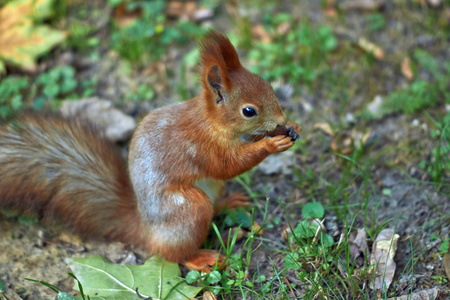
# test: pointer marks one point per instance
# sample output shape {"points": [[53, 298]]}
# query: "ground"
{"points": [[380, 183]]}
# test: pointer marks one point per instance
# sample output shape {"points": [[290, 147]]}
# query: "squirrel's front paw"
{"points": [[294, 130], [279, 143], [291, 130]]}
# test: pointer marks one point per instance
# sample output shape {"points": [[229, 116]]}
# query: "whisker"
{"points": [[284, 93]]}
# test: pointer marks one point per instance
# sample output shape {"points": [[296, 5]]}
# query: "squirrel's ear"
{"points": [[214, 80], [218, 57]]}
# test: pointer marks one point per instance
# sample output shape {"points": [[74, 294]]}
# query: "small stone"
{"points": [[374, 107], [350, 118], [116, 125], [276, 164]]}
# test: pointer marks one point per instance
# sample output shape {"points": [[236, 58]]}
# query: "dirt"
{"points": [[390, 160]]}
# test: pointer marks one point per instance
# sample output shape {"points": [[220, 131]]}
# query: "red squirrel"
{"points": [[179, 157]]}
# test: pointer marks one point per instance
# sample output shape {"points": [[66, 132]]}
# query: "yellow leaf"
{"points": [[21, 42], [21, 12]]}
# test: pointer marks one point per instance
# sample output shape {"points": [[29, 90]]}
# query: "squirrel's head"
{"points": [[240, 100]]}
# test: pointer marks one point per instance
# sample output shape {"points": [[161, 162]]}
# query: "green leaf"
{"points": [[327, 240], [156, 278], [290, 261], [387, 192], [304, 230], [428, 62], [28, 219], [214, 277], [313, 210], [64, 296], [237, 217], [2, 286], [444, 247], [192, 276], [240, 274]]}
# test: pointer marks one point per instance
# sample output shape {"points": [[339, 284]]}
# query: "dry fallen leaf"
{"points": [[358, 243], [125, 17], [325, 127], [429, 294], [284, 28], [406, 68], [260, 34], [21, 42], [187, 10], [370, 47], [287, 234], [446, 261], [209, 296], [361, 5], [382, 258], [344, 143], [240, 234], [255, 225], [330, 9]]}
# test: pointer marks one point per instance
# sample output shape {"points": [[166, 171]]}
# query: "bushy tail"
{"points": [[65, 170]]}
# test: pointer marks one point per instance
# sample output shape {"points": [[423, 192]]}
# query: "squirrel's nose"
{"points": [[281, 119]]}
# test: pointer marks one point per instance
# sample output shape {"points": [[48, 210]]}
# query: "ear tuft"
{"points": [[217, 50]]}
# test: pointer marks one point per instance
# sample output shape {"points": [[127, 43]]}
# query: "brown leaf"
{"points": [[325, 127], [362, 5], [286, 232], [341, 144], [260, 34], [429, 294], [240, 234], [125, 17], [284, 28], [446, 261], [344, 143], [406, 68], [382, 258], [187, 10], [370, 47], [209, 296], [255, 225], [358, 243], [330, 9]]}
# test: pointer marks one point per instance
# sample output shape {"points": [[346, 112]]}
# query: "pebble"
{"points": [[374, 107], [116, 125], [276, 164]]}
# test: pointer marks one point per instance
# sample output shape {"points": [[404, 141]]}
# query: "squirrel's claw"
{"points": [[292, 134], [231, 201]]}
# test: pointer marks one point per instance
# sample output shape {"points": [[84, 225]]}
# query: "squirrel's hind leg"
{"points": [[231, 201], [178, 227], [204, 259]]}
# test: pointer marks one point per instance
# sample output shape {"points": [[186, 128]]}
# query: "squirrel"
{"points": [[179, 159]]}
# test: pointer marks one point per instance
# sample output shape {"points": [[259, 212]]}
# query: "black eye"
{"points": [[249, 112]]}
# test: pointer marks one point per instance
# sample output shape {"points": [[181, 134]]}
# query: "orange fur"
{"points": [[179, 157]]}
